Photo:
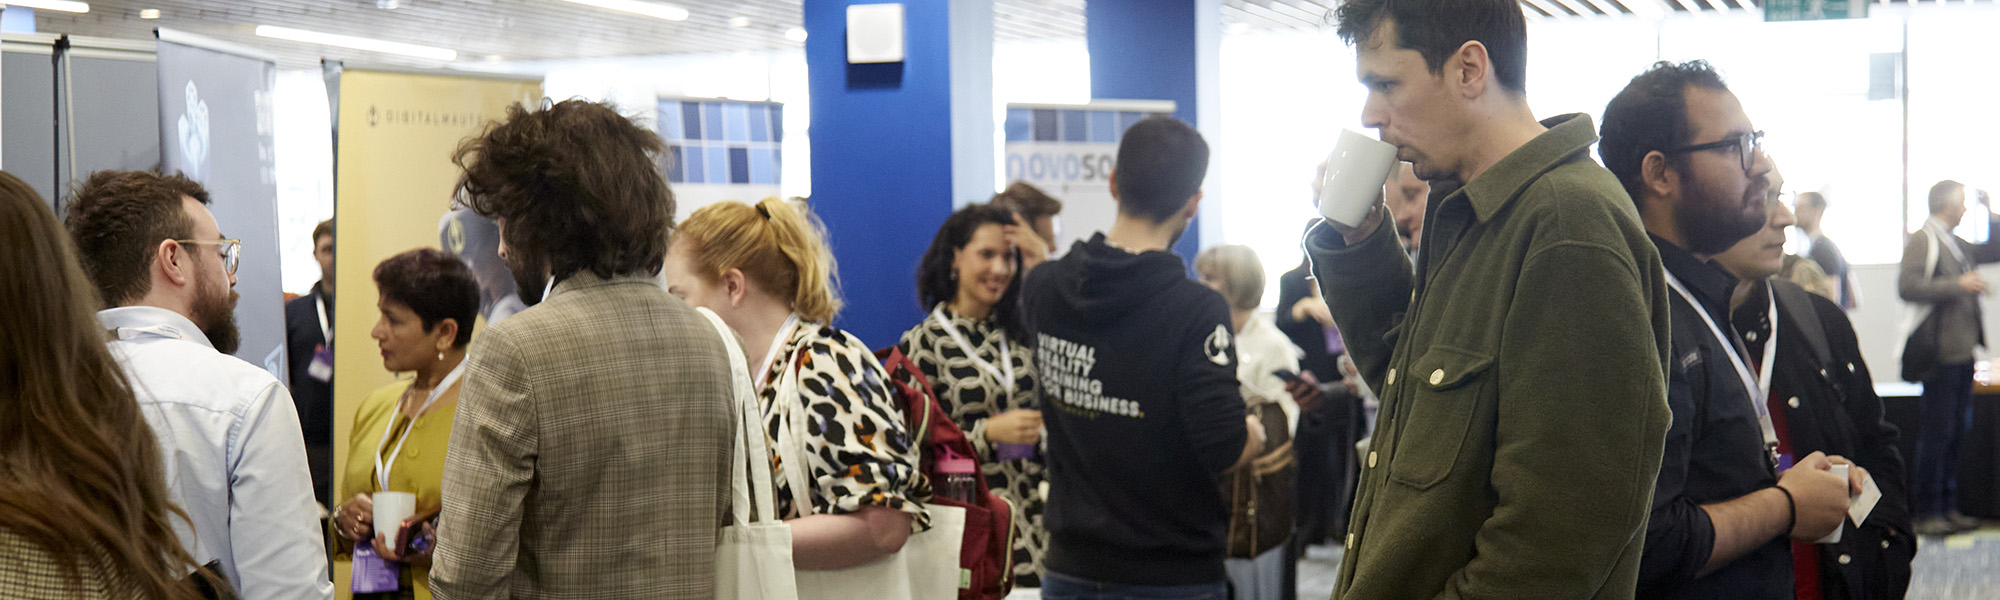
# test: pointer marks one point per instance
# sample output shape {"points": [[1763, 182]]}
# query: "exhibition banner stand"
{"points": [[107, 109], [215, 126], [28, 123], [394, 181], [1068, 150]]}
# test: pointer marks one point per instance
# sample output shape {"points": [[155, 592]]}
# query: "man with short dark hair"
{"points": [[1822, 250], [308, 328], [1821, 399], [590, 455], [1145, 415], [227, 429], [1521, 413], [1688, 155], [1940, 280]]}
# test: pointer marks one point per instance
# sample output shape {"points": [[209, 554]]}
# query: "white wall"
{"points": [[303, 143]]}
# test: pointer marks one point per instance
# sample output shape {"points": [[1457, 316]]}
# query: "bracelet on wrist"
{"points": [[1791, 510]]}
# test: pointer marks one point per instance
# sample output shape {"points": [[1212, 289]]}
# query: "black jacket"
{"points": [[313, 398], [1307, 334], [1714, 453], [1144, 415], [1819, 364]]}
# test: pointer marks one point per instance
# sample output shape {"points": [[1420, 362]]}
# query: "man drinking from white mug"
{"points": [[1522, 414]]}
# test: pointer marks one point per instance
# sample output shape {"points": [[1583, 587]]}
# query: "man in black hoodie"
{"points": [[1139, 369]]}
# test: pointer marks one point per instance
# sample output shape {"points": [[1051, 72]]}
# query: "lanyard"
{"points": [[1750, 384], [325, 328], [165, 331], [1770, 343], [1006, 378], [777, 342], [382, 468]]}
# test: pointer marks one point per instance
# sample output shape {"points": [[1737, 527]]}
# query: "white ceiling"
{"points": [[517, 30]]}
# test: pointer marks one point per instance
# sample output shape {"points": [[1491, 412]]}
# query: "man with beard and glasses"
{"points": [[235, 458], [1726, 504]]}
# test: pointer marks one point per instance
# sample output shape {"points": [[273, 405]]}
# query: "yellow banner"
{"points": [[394, 180]]}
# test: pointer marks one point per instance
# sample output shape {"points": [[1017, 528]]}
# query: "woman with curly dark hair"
{"points": [[974, 351], [84, 509]]}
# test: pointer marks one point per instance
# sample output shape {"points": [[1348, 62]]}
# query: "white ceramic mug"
{"points": [[1355, 173], [390, 510]]}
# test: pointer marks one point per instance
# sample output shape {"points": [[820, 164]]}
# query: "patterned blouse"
{"points": [[971, 395], [860, 448]]}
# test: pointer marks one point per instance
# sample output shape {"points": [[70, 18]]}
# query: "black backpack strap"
{"points": [[1795, 304]]}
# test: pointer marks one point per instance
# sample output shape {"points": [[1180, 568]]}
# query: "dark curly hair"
{"points": [[435, 285], [1650, 115], [573, 183], [935, 283], [119, 218]]}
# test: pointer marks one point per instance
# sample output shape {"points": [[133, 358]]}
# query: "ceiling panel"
{"points": [[515, 30]]}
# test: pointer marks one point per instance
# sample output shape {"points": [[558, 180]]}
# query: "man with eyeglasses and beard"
{"points": [[1726, 503], [235, 458]]}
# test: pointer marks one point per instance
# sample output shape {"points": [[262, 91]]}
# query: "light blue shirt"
{"points": [[235, 460]]}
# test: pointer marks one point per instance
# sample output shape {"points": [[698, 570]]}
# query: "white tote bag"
{"points": [[753, 554], [925, 569]]}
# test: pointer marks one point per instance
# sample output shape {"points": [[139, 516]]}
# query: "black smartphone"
{"points": [[413, 537], [1286, 375]]}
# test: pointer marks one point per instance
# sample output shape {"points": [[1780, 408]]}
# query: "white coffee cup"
{"points": [[390, 510], [1355, 173], [1834, 538]]}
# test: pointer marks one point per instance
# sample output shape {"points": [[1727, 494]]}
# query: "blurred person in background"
{"points": [[1265, 363], [767, 272], [974, 351], [235, 457], [1940, 280], [1036, 213], [84, 507], [590, 452], [1822, 250], [476, 240], [308, 326], [427, 300], [1407, 197]]}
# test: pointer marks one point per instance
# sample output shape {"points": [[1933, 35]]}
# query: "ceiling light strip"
{"points": [[55, 5], [357, 43], [639, 7]]}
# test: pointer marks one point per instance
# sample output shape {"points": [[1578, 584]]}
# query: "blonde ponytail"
{"points": [[774, 245]]}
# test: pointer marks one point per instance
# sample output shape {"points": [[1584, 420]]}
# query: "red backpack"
{"points": [[986, 557]]}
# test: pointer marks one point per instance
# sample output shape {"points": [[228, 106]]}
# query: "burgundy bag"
{"points": [[986, 557]]}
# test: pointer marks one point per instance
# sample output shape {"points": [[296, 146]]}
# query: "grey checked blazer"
{"points": [[589, 455]]}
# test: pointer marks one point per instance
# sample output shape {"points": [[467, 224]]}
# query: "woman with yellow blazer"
{"points": [[428, 302]]}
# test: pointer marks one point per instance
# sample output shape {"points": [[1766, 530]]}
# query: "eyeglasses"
{"points": [[1747, 146], [232, 251]]}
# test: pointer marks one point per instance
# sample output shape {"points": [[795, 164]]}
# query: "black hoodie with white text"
{"points": [[1144, 415]]}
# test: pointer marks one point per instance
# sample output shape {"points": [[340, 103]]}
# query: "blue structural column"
{"points": [[1161, 50], [895, 146]]}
